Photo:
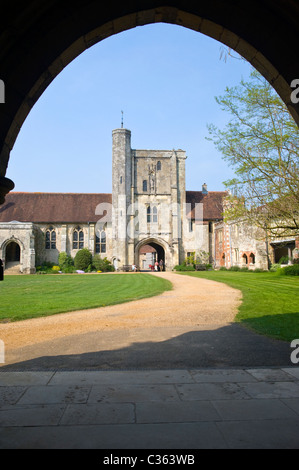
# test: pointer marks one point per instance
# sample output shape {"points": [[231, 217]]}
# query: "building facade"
{"points": [[149, 211], [149, 217]]}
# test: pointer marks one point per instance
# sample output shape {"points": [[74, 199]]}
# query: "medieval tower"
{"points": [[148, 194]]}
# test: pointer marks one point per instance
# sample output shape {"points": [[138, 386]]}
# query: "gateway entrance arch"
{"points": [[39, 39], [150, 251]]}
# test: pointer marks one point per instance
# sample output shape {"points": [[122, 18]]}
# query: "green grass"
{"points": [[24, 297], [270, 302]]}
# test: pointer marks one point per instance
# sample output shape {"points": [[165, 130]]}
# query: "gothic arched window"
{"points": [[145, 186], [159, 166], [78, 239], [101, 242], [51, 239]]}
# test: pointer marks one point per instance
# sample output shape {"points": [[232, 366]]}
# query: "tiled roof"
{"points": [[52, 207], [212, 204], [76, 207]]}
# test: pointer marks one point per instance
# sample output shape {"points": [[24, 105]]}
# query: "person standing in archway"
{"points": [[161, 265]]}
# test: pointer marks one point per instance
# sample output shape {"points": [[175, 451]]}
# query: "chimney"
{"points": [[205, 189]]}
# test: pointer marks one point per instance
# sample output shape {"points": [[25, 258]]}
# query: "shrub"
{"points": [[182, 267], [222, 268], [244, 269], [274, 268], [83, 259], [65, 261], [56, 269], [235, 268], [283, 260], [46, 267], [103, 265], [292, 270], [258, 270], [69, 269]]}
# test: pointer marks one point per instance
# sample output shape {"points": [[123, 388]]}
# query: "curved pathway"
{"points": [[190, 326]]}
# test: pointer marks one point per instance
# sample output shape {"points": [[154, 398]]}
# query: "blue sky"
{"points": [[165, 79]]}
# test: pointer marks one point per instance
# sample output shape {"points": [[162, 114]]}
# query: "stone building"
{"points": [[149, 215], [240, 244]]}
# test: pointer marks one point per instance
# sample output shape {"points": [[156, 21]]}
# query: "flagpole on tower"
{"points": [[122, 119]]}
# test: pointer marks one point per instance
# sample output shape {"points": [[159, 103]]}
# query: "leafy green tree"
{"points": [[261, 143]]}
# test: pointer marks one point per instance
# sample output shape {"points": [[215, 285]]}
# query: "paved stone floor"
{"points": [[159, 409]]}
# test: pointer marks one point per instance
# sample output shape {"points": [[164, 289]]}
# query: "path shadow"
{"points": [[224, 347]]}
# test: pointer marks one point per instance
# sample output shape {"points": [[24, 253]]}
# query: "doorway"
{"points": [[149, 254], [13, 253]]}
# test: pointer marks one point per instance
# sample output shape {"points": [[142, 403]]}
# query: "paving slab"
{"points": [[25, 378], [165, 409], [133, 393], [261, 434], [226, 375], [38, 395], [271, 389], [122, 377], [181, 412], [211, 391], [103, 413], [247, 410], [27, 416], [137, 436]]}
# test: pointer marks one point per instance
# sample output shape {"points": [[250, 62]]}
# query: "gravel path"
{"points": [[190, 326]]}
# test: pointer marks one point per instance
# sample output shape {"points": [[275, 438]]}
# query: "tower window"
{"points": [[159, 166], [145, 186], [149, 215], [51, 239], [78, 239], [121, 180], [152, 215]]}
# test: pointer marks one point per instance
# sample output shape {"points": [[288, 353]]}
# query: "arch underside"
{"points": [[41, 38]]}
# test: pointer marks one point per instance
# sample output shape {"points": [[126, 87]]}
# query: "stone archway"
{"points": [[39, 40], [149, 254], [13, 253], [12, 256], [156, 250]]}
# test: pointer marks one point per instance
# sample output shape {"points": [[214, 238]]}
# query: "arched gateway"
{"points": [[150, 251], [13, 253]]}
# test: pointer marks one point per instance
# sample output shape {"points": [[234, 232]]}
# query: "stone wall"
{"points": [[23, 235]]}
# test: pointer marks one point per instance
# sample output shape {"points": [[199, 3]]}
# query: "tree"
{"points": [[261, 143]]}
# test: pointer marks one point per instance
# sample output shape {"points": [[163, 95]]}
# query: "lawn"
{"points": [[24, 297], [270, 302]]}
